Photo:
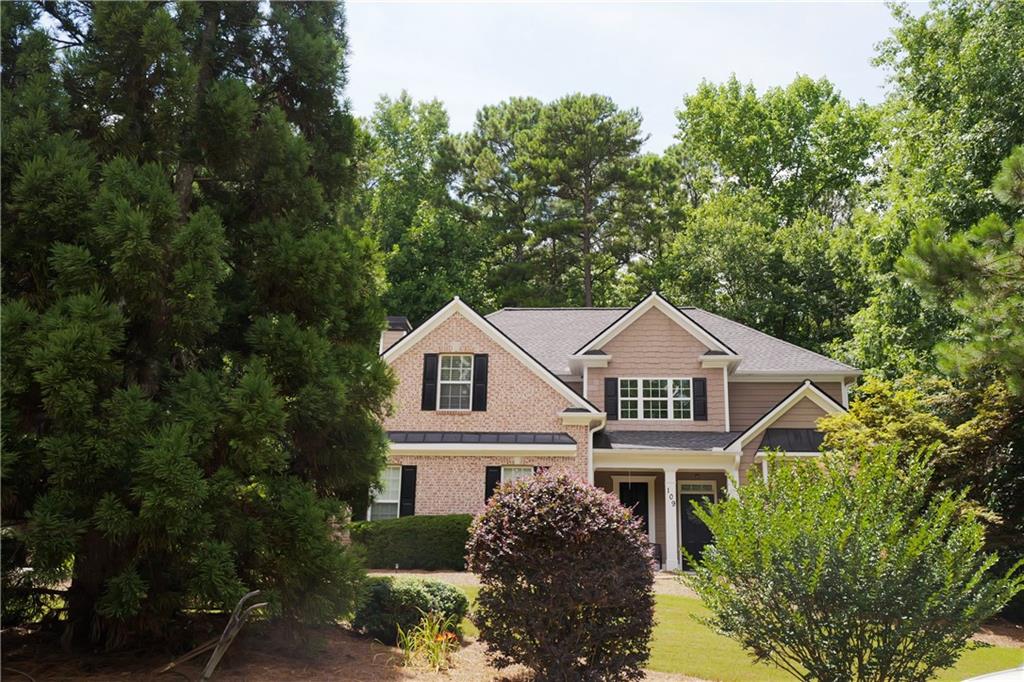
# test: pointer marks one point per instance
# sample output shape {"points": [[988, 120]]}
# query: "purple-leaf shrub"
{"points": [[566, 581]]}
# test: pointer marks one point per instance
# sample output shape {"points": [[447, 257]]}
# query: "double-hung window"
{"points": [[385, 502], [455, 386], [657, 399], [509, 474]]}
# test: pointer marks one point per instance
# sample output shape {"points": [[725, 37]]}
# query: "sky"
{"points": [[646, 55]]}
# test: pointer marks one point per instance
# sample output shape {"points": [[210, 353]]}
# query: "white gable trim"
{"points": [[655, 300], [456, 306], [807, 390]]}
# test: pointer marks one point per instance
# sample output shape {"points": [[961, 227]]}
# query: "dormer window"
{"points": [[455, 384], [657, 399]]}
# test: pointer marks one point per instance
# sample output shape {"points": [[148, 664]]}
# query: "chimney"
{"points": [[398, 326]]}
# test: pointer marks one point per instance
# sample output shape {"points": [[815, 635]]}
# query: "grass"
{"points": [[681, 645]]}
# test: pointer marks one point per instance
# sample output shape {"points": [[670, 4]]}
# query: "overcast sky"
{"points": [[642, 55]]}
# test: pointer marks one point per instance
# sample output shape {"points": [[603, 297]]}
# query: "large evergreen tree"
{"points": [[191, 388]]}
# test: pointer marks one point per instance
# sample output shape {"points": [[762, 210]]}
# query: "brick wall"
{"points": [[517, 400]]}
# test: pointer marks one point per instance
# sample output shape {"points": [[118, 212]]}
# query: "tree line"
{"points": [[200, 244]]}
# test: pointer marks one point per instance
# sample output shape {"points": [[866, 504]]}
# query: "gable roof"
{"points": [[655, 301], [552, 335], [456, 306], [808, 390]]}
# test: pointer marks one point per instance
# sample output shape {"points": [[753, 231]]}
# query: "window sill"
{"points": [[450, 411]]}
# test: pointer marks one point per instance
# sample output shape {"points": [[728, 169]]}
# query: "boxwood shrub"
{"points": [[388, 603], [421, 542]]}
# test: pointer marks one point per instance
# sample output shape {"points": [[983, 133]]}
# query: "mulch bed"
{"points": [[331, 653]]}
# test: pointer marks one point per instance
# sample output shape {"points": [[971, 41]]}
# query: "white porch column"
{"points": [[671, 520], [732, 474]]}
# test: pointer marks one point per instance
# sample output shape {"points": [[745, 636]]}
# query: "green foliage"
{"points": [[566, 581], [389, 606], [982, 272], [802, 147], [850, 569], [191, 385], [415, 542], [433, 639]]}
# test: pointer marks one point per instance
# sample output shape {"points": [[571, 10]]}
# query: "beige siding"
{"points": [[804, 415], [654, 346], [576, 386], [750, 400]]}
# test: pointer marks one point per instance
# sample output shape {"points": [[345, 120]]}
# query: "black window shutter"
{"points": [[492, 479], [407, 500], [429, 401], [611, 397], [480, 382], [361, 503], [700, 399]]}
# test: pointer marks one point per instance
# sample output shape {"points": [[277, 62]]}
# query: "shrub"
{"points": [[566, 581], [422, 542], [849, 569], [390, 604]]}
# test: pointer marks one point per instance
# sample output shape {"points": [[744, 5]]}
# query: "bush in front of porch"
{"points": [[850, 569], [566, 581]]}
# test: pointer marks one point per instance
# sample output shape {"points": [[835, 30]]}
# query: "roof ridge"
{"points": [[500, 310], [775, 338]]}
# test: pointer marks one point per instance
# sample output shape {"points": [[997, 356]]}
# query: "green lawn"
{"points": [[682, 645]]}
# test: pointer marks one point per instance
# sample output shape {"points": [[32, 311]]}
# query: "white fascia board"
{"points": [[597, 421], [627, 460], [720, 361], [768, 377], [807, 390], [476, 449], [656, 301], [457, 306]]}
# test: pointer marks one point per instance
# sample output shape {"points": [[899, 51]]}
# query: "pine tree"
{"points": [[191, 389]]}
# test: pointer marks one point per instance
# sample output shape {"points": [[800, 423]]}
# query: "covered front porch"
{"points": [[660, 487]]}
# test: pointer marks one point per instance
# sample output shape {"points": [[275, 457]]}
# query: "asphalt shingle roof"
{"points": [[661, 440], [551, 335], [517, 438]]}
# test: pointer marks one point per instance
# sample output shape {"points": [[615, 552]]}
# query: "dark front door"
{"points": [[634, 495], [695, 534]]}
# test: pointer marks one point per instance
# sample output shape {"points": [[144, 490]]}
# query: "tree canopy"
{"points": [[191, 385]]}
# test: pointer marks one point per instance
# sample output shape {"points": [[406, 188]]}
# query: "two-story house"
{"points": [[656, 404]]}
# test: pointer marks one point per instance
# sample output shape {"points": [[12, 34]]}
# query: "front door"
{"points": [[695, 535], [634, 495]]}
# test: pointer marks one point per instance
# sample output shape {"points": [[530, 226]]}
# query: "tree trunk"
{"points": [[204, 57]]}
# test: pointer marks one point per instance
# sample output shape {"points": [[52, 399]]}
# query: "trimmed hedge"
{"points": [[424, 542], [390, 603]]}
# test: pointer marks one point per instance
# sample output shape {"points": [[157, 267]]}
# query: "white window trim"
{"points": [[649, 480], [640, 399], [397, 501], [440, 359], [679, 496], [713, 483], [532, 469]]}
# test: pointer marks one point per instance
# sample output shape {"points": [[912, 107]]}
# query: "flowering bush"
{"points": [[566, 581]]}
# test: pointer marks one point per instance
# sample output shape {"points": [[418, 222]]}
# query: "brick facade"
{"points": [[517, 400]]}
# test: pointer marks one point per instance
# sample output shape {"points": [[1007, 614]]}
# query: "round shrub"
{"points": [[390, 603], [429, 543], [566, 581]]}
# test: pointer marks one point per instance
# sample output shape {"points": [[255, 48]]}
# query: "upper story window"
{"points": [[655, 399], [455, 384]]}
